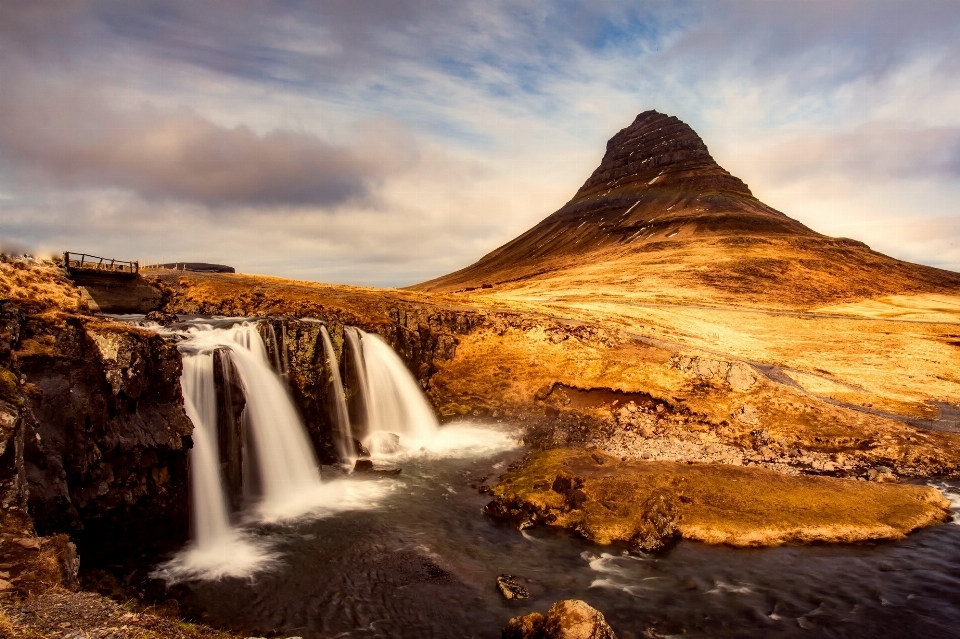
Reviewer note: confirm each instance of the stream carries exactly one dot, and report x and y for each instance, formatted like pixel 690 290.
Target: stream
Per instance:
pixel 418 559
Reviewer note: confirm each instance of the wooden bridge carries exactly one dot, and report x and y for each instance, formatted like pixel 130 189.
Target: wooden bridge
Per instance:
pixel 83 263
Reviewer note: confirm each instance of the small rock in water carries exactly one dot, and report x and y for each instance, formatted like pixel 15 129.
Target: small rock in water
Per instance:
pixel 568 619
pixel 510 588
pixel 366 466
pixel 363 466
pixel 164 319
pixel 525 627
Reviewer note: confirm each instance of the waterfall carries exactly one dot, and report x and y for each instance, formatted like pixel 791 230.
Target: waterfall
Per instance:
pixel 395 405
pixel 274 437
pixel 279 469
pixel 351 337
pixel 345 447
pixel 211 524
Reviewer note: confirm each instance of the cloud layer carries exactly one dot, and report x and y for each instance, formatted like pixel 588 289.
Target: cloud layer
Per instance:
pixel 388 143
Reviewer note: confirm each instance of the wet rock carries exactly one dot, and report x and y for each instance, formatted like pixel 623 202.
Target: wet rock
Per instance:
pixel 567 619
pixel 366 466
pixel 511 588
pixel 360 449
pixel 658 525
pixel 525 627
pixel 162 318
pixel 363 466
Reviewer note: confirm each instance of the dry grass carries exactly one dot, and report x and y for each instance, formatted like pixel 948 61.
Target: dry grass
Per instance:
pixel 39 287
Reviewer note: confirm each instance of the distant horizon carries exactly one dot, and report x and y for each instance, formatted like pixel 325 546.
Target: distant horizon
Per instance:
pixel 388 145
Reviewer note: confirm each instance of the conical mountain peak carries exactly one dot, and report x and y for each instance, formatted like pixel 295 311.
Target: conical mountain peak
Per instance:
pixel 659 216
pixel 660 151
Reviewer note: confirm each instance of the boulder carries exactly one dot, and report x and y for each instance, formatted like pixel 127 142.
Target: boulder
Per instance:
pixel 567 619
pixel 741 377
pixel 525 627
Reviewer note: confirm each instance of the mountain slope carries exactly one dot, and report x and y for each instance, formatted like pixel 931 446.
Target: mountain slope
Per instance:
pixel 659 218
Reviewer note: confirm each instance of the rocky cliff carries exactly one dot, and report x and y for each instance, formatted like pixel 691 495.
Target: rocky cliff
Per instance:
pixel 94 437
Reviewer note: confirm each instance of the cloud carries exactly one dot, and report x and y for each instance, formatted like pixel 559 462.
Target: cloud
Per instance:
pixel 880 150
pixel 386 143
pixel 179 155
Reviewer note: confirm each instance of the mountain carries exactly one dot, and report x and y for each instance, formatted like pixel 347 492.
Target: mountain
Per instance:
pixel 659 218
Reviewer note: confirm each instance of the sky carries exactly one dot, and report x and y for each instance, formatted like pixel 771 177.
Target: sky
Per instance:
pixel 386 143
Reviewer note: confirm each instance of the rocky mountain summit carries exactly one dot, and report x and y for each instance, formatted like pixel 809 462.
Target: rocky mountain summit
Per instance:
pixel 660 211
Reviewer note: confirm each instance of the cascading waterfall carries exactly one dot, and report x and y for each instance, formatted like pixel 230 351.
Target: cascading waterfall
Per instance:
pixel 345 447
pixel 351 336
pixel 287 470
pixel 211 521
pixel 277 456
pixel 394 403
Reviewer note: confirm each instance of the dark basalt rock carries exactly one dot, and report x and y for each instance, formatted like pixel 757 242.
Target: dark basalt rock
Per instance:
pixel 104 436
pixel 363 466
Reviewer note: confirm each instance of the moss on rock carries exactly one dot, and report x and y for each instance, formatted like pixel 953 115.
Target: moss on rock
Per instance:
pixel 645 504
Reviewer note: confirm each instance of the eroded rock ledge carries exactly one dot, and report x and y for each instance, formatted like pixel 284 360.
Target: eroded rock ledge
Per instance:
pixel 647 504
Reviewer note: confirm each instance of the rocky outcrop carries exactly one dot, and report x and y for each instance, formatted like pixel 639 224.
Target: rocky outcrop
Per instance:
pixel 658 149
pixel 645 505
pixel 104 434
pixel 738 375
pixel 567 619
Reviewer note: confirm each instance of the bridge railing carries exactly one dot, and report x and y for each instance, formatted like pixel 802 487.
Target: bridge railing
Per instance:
pixel 95 262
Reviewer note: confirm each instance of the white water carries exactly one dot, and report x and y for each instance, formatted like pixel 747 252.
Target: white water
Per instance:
pixel 345 446
pixel 351 338
pixel 289 475
pixel 394 403
pixel 217 550
pixel 211 520
pixel 286 474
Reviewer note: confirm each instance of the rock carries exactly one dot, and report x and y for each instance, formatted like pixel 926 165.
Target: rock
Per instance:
pixel 885 474
pixel 29 543
pixel 360 449
pixel 748 415
pixel 575 619
pixel 5 585
pixel 366 466
pixel 706 368
pixel 525 627
pixel 510 588
pixel 363 466
pixel 567 619
pixel 741 377
pixel 162 318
